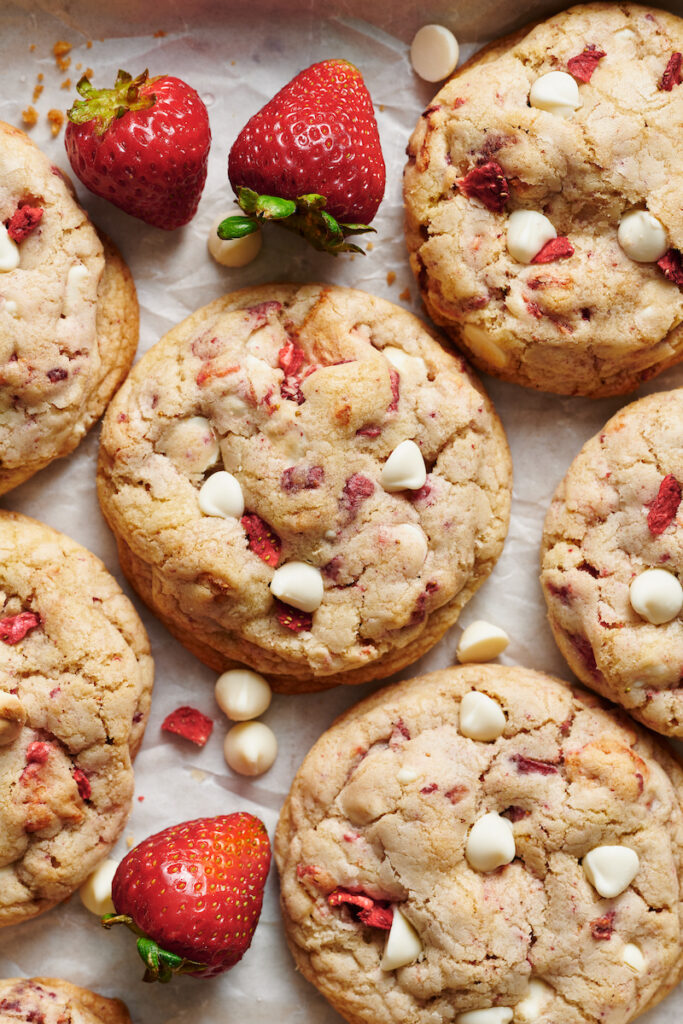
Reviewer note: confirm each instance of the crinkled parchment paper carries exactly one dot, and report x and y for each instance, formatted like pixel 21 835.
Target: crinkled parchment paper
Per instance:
pixel 237 61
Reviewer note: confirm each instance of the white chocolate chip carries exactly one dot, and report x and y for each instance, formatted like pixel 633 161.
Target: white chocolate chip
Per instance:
pixel 95 892
pixel 481 718
pixel 191 445
pixel 537 997
pixel 406 775
pixel 10 307
pixel 410 547
pixel 9 251
pixel 611 869
pixel 434 53
pixel 233 252
pixel 491 843
pixel 489 1015
pixel 404 469
pixel 656 595
pixel 12 717
pixel 221 495
pixel 242 694
pixel 401 361
pixel 74 293
pixel 298 584
pixel 528 232
pixel 250 748
pixel 403 944
pixel 642 237
pixel 633 958
pixel 557 93
pixel 482 641
pixel 483 347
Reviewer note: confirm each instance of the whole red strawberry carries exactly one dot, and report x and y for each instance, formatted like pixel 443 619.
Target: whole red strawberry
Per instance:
pixel 193 893
pixel 143 145
pixel 311 159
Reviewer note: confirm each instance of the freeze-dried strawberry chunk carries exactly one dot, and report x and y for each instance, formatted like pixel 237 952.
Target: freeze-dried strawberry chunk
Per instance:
pixel 356 489
pixel 15 627
pixel 671 265
pixel 665 506
pixel 584 64
pixel 672 73
pixel 189 723
pixel 395 390
pixel 23 221
pixel 291 358
pixel 292 618
pixel 602 927
pixel 263 541
pixel 262 311
pixel 38 752
pixel 488 184
pixel 370 431
pixel 302 478
pixel 83 783
pixel 529 765
pixel 555 249
pixel 291 388
pixel 375 913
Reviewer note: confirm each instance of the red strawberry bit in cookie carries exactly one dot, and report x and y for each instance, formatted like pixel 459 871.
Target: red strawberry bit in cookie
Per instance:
pixel 291 358
pixel 375 913
pixel 263 541
pixel 370 431
pixel 54 376
pixel 292 618
pixel 262 311
pixel 210 371
pixel 514 813
pixel 430 788
pixel 488 184
pixel 456 794
pixel 584 64
pixel 585 651
pixel 302 478
pixel 672 73
pixel 83 783
pixel 15 627
pixel 530 765
pixel 23 221
pixel 291 389
pixel 38 752
pixel 665 506
pixel 356 489
pixel 556 249
pixel 602 927
pixel 422 494
pixel 563 594
pixel 671 265
pixel 189 723
pixel 395 389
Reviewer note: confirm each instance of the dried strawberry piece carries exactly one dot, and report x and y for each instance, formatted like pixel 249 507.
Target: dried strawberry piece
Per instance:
pixel 585 651
pixel 584 64
pixel 261 312
pixel 556 249
pixel 356 489
pixel 395 390
pixel 83 783
pixel 515 813
pixel 189 723
pixel 672 73
pixel 291 389
pixel 291 358
pixel 370 431
pixel 292 618
pixel 23 221
pixel 263 541
pixel 671 265
pixel 488 184
pixel 602 927
pixel 431 788
pixel 38 752
pixel 302 478
pixel 529 765
pixel 15 627
pixel 665 506
pixel 375 913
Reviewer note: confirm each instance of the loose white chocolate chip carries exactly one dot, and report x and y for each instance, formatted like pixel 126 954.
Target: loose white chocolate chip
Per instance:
pixel 403 944
pixel 482 641
pixel 406 775
pixel 611 869
pixel 534 1002
pixel 402 362
pixel 9 251
pixel 298 584
pixel 491 843
pixel 221 495
pixel 434 53
pixel 633 958
pixel 556 92
pixel 481 718
pixel 95 892
pixel 528 232
pixel 242 694
pixel 404 469
pixel 233 252
pixel 250 748
pixel 190 445
pixel 12 718
pixel 490 1015
pixel 642 237
pixel 656 595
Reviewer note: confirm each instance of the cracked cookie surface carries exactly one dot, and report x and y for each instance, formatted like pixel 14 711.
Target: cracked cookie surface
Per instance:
pixel 75 686
pixel 382 807
pixel 596 323
pixel 53 1001
pixel 68 314
pixel 288 388
pixel 615 515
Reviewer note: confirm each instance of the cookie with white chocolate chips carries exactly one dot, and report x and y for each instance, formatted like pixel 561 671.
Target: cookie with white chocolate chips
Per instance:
pixel 302 480
pixel 75 685
pixel 612 559
pixel 68 314
pixel 542 194
pixel 53 1001
pixel 520 859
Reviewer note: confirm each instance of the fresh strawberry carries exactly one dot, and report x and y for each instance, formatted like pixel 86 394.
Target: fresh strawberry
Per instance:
pixel 311 160
pixel 193 894
pixel 143 145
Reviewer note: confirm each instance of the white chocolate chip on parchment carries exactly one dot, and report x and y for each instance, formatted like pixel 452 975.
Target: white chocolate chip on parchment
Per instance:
pixel 403 945
pixel 434 53
pixel 481 718
pixel 481 641
pixel 404 469
pixel 528 231
pixel 491 843
pixel 250 748
pixel 656 595
pixel 242 694
pixel 611 869
pixel 221 495
pixel 95 892
pixel 557 93
pixel 298 584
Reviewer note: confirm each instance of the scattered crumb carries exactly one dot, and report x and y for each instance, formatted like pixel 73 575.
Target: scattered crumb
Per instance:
pixel 130 842
pixel 40 76
pixel 391 277
pixel 66 84
pixel 381 108
pixel 32 47
pixel 79 66
pixel 232 62
pixel 88 72
pixel 60 50
pixel 370 247
pixel 159 34
pixel 197 775
pixel 405 295
pixel 140 799
pixel 56 119
pixel 29 116
pixel 37 89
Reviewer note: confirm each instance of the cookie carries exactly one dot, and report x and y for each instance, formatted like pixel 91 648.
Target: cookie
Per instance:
pixel 482 845
pixel 355 476
pixel 75 686
pixel 53 1001
pixel 613 520
pixel 522 177
pixel 68 314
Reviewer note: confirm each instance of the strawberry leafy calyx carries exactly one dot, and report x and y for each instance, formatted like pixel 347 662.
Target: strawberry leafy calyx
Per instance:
pixel 160 964
pixel 107 105
pixel 306 216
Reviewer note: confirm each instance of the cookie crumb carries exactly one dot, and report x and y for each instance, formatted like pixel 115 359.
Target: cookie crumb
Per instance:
pixel 405 295
pixel 197 775
pixel 29 116
pixel 56 119
pixel 60 50
pixel 391 277
pixel 32 48
pixel 37 89
pixel 370 247
pixel 159 34
pixel 66 84
pixel 130 842
pixel 88 45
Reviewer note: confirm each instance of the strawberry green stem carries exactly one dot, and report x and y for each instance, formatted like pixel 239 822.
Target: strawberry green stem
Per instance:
pixel 160 964
pixel 105 105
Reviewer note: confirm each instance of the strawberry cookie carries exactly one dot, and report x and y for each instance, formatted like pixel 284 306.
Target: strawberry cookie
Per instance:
pixel 483 845
pixel 301 479
pixel 53 1001
pixel 74 697
pixel 68 314
pixel 612 557
pixel 543 209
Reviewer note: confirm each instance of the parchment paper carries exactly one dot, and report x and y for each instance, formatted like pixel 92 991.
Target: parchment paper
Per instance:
pixel 237 61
